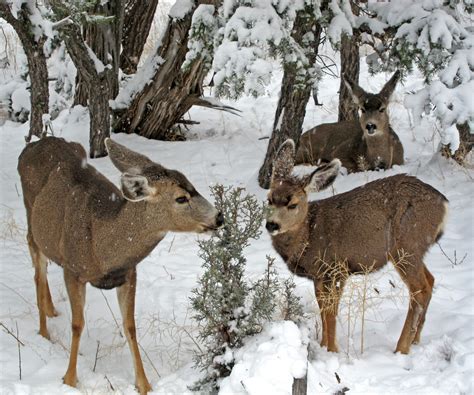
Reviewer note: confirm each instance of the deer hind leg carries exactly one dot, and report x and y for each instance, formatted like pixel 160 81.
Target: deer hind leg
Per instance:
pixel 43 295
pixel 420 286
pixel 77 296
pixel 126 299
pixel 328 294
pixel 430 281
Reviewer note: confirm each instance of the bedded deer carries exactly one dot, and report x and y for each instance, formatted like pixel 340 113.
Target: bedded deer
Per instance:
pixel 396 218
pixel 97 233
pixel 365 144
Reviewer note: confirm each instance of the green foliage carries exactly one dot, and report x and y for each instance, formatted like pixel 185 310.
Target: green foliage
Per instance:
pixel 226 306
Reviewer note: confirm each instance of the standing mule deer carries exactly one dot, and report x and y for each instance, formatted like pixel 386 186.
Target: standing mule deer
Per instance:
pixel 80 220
pixel 395 218
pixel 365 144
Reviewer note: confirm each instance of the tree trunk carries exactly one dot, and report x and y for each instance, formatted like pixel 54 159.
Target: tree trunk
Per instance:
pixel 349 67
pixel 96 82
pixel 294 96
pixel 138 19
pixel 37 69
pixel 173 90
pixel 104 38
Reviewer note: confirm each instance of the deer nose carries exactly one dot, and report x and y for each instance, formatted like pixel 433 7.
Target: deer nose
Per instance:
pixel 371 128
pixel 272 226
pixel 220 219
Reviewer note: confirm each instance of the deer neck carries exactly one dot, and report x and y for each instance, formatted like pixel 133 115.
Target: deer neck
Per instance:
pixel 126 238
pixel 376 147
pixel 292 245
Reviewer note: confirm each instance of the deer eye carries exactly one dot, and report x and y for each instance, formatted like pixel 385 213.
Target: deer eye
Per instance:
pixel 182 200
pixel 292 206
pixel 382 110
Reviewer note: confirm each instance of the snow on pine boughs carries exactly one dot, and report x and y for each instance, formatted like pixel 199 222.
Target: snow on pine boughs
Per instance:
pixel 438 38
pixel 226 306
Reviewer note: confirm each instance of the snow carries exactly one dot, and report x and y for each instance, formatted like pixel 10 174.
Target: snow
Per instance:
pixel 229 150
pixel 181 8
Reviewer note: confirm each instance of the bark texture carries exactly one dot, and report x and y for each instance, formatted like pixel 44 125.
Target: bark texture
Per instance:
pixel 138 19
pixel 104 38
pixel 96 82
pixel 349 67
pixel 294 96
pixel 37 69
pixel 173 90
pixel 466 137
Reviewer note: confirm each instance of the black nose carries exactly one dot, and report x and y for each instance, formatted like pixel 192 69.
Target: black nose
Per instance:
pixel 272 226
pixel 220 219
pixel 371 128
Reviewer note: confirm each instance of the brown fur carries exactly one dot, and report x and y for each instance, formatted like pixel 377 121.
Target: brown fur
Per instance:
pixel 396 218
pixel 98 233
pixel 350 142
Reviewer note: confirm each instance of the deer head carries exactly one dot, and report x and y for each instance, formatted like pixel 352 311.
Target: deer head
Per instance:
pixel 169 191
pixel 288 195
pixel 373 107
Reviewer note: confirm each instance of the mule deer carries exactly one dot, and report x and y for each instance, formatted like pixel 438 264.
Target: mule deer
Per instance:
pixel 395 218
pixel 97 233
pixel 365 144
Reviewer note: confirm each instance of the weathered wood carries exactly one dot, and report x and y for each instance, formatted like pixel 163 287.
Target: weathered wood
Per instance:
pixel 138 19
pixel 466 144
pixel 173 90
pixel 350 66
pixel 300 386
pixel 104 38
pixel 95 80
pixel 294 96
pixel 37 68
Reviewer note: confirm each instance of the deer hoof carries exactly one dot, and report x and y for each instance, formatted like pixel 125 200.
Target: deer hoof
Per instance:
pixel 70 379
pixel 143 388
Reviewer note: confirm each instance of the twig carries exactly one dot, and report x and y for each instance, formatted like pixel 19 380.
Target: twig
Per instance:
pixel 111 312
pixel 149 360
pixel 111 386
pixel 171 245
pixel 96 354
pixel 12 334
pixel 455 262
pixel 19 349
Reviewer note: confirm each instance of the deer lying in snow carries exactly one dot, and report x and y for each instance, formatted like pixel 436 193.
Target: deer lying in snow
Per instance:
pixel 98 234
pixel 396 218
pixel 365 144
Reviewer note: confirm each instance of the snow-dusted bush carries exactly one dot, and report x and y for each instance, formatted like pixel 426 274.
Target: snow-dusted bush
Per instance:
pixel 227 307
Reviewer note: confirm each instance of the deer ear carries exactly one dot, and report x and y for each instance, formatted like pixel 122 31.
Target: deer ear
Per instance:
pixel 135 187
pixel 125 159
pixel 389 87
pixel 284 160
pixel 357 93
pixel 322 177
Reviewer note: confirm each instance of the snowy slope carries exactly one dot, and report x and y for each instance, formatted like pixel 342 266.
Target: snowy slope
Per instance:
pixel 226 149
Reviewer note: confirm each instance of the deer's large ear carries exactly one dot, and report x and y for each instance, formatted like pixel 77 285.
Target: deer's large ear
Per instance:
pixel 135 187
pixel 284 161
pixel 357 93
pixel 389 87
pixel 322 177
pixel 125 159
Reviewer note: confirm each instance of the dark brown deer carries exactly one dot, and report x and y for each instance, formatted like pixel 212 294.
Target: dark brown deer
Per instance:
pixel 396 218
pixel 365 144
pixel 97 233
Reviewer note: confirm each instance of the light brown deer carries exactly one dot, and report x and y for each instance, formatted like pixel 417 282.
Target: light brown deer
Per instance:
pixel 97 233
pixel 365 144
pixel 396 218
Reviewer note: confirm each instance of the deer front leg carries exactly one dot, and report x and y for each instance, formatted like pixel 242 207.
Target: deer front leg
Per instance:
pixel 322 310
pixel 77 296
pixel 126 299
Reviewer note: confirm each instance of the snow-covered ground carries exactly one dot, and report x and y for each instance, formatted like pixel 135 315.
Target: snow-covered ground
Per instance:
pixel 227 149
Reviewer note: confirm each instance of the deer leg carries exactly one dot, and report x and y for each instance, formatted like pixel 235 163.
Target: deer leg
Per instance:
pixel 420 295
pixel 318 285
pixel 328 300
pixel 126 299
pixel 430 281
pixel 77 296
pixel 43 296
